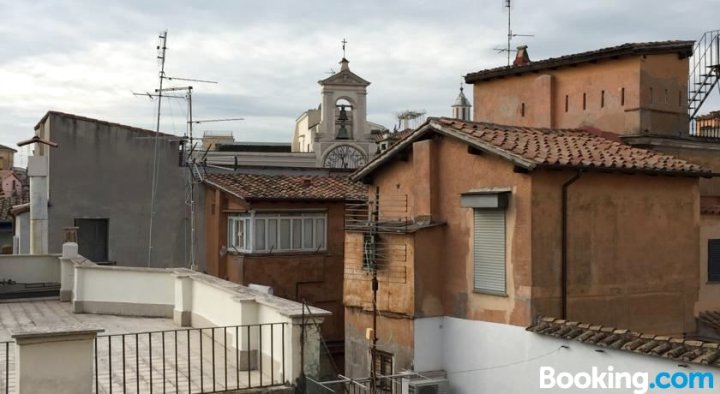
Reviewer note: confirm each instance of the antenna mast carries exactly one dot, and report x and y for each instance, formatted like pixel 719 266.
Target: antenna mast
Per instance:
pixel 510 34
pixel 162 46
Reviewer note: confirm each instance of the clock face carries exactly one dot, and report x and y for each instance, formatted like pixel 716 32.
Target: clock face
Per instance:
pixel 344 156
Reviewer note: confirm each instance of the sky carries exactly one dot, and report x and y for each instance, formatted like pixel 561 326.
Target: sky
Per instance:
pixel 88 57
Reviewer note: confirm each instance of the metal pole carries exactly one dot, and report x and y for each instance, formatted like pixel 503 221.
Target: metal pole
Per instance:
pixel 162 47
pixel 192 184
pixel 373 352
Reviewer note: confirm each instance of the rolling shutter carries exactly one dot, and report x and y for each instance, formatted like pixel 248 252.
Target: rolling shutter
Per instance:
pixel 489 250
pixel 714 260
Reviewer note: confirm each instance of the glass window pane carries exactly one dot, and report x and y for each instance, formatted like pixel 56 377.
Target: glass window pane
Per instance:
pixel 231 231
pixel 308 234
pixel 284 234
pixel 240 234
pixel 272 234
pixel 320 233
pixel 259 234
pixel 297 234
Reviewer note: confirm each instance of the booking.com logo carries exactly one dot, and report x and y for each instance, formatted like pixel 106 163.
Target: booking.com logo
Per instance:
pixel 640 382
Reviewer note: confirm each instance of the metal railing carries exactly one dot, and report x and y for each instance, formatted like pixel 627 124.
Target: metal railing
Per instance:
pixel 195 360
pixel 706 131
pixel 704 70
pixel 7 368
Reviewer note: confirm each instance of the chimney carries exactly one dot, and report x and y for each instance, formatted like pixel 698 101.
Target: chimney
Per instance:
pixel 521 57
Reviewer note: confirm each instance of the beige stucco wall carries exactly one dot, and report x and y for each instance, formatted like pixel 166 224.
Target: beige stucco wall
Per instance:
pixel 632 249
pixel 55 364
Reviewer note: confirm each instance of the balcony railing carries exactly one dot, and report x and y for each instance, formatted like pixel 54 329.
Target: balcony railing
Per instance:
pixel 196 360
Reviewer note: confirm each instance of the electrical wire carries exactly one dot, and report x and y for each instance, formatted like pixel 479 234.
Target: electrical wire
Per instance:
pixel 509 364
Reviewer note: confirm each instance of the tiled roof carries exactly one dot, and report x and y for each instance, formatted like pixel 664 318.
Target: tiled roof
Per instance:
pixel 681 350
pixel 531 148
pixel 6 204
pixel 683 48
pixel 711 319
pixel 288 187
pixel 7 148
pixel 710 209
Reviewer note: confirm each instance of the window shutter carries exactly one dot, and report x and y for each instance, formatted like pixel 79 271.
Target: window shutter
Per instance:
pixel 714 260
pixel 489 250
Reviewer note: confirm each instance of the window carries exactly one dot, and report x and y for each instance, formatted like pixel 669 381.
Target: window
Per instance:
pixel 602 99
pixel 489 250
pixel 266 232
pixel 384 367
pixel 666 96
pixel 713 260
pixel 567 102
pixel 652 94
pixel 584 101
pixel 522 110
pixel 622 96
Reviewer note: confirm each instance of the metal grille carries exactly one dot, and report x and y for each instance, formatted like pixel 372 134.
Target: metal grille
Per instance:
pixel 8 380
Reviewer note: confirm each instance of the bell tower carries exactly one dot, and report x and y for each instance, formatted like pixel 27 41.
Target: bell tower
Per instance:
pixel 461 108
pixel 344 137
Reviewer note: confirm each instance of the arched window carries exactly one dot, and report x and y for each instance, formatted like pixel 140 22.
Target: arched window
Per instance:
pixel 343 119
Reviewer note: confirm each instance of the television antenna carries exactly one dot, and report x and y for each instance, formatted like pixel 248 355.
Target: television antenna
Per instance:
pixel 188 159
pixel 507 4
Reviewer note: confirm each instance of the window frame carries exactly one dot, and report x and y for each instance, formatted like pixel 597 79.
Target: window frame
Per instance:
pixel 713 277
pixel 315 221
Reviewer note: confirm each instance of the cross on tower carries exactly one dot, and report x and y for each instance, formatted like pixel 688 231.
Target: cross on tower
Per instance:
pixel 344 41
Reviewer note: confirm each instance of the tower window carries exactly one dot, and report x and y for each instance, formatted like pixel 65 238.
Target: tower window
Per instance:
pixel 522 110
pixel 567 102
pixel 652 99
pixel 602 99
pixel 622 96
pixel 584 101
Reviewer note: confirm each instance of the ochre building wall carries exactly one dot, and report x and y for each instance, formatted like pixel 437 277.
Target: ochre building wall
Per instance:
pixel 630 95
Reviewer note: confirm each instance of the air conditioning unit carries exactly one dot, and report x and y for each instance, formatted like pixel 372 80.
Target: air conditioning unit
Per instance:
pixel 429 386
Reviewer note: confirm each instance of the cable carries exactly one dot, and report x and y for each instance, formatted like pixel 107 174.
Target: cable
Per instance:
pixel 509 364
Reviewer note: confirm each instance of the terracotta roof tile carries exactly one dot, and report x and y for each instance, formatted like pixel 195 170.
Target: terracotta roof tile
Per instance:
pixel 640 48
pixel 710 209
pixel 532 148
pixel 288 187
pixel 711 319
pixel 570 147
pixel 691 351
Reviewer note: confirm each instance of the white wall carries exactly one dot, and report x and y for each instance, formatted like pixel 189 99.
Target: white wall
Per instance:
pixel 124 285
pixel 211 302
pixel 483 357
pixel 30 268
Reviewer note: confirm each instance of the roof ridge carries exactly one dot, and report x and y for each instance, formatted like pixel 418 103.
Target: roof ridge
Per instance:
pixel 684 47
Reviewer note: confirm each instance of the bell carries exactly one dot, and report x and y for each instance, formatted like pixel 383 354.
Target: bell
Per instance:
pixel 343 133
pixel 343 115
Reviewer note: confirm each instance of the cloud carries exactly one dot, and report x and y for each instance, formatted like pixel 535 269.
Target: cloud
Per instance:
pixel 87 57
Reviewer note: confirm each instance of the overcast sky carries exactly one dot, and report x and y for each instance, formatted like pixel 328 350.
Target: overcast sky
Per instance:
pixel 87 57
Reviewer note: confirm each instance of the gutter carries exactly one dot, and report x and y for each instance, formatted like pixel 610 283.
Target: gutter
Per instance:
pixel 564 247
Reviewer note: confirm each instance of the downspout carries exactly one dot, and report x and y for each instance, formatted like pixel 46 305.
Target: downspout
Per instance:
pixel 564 247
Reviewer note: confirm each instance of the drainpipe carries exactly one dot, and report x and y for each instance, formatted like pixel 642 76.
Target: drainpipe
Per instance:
pixel 564 248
